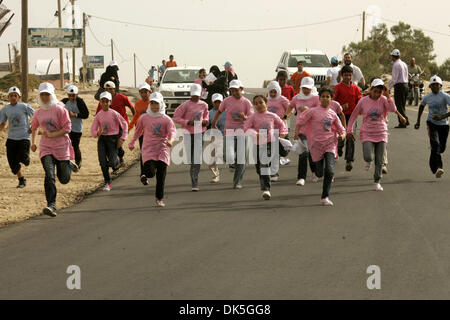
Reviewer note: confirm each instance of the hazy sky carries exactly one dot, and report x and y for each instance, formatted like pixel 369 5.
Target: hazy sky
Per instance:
pixel 253 54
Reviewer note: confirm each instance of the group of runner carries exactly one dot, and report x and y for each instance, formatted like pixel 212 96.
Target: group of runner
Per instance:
pixel 325 123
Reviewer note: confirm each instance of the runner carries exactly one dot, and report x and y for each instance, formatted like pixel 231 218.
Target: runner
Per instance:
pixel 261 125
pixel 141 107
pixel 238 109
pixel 159 133
pixel 287 90
pixel 217 99
pixel 297 77
pixel 324 127
pixel 55 148
pixel 18 115
pixel 78 111
pixel 111 130
pixel 193 116
pixel 307 97
pixel 437 123
pixel 374 132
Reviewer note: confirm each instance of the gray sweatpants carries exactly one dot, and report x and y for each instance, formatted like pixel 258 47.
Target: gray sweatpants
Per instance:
pixel 378 149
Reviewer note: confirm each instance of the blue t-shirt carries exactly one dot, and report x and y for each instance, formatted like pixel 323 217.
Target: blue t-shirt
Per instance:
pixel 437 105
pixel 19 120
pixel 220 122
pixel 77 123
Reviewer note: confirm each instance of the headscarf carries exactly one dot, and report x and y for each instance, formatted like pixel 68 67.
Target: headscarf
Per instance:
pixel 158 97
pixel 273 85
pixel 313 93
pixel 215 71
pixel 230 69
pixel 48 87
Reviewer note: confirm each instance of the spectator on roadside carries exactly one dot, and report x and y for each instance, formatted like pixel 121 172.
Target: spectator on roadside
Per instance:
pixel 110 74
pixel 400 84
pixel 333 72
pixel 161 70
pixel 296 78
pixel 218 86
pixel 171 63
pixel 358 76
pixel 229 73
pixel 414 68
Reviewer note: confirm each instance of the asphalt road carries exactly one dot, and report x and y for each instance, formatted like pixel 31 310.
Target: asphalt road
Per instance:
pixel 222 243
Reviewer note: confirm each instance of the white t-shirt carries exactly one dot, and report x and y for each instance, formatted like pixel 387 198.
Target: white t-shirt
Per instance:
pixel 357 74
pixel 333 73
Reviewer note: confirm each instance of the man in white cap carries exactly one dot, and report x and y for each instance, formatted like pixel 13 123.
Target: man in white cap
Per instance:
pixel 193 116
pixel 18 115
pixel 400 84
pixel 437 123
pixel 78 111
pixel 238 109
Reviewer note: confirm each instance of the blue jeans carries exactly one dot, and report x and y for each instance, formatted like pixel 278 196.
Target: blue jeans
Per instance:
pixel 236 152
pixel 107 155
pixel 63 172
pixel 194 147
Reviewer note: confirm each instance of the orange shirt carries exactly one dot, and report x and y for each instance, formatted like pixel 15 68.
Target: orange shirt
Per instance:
pixel 296 80
pixel 171 64
pixel 140 107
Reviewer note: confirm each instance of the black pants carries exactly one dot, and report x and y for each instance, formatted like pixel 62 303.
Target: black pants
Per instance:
pixel 17 152
pixel 158 168
pixel 325 169
pixel 141 140
pixel 120 152
pixel 63 172
pixel 263 169
pixel 303 160
pixel 400 96
pixel 75 138
pixel 438 140
pixel 107 155
pixel 349 145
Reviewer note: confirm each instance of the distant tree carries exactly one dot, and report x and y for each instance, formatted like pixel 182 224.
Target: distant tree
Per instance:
pixel 444 70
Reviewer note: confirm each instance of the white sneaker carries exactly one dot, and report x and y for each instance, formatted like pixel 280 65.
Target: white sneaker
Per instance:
pixel 439 172
pixel 266 195
pixel 284 161
pixel 107 187
pixel 215 179
pixel 274 178
pixel 238 186
pixel 195 189
pixel 367 165
pixel 160 203
pixel 326 202
pixel 378 187
pixel 301 182
pixel 314 178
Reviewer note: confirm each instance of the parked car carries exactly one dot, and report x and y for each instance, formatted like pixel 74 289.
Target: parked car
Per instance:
pixel 316 64
pixel 175 86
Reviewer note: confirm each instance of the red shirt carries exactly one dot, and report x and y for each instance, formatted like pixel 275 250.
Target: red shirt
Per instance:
pixel 288 92
pixel 118 103
pixel 347 94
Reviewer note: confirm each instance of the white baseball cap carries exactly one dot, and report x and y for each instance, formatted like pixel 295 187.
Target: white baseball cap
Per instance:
pixel 216 97
pixel 196 90
pixel 377 82
pixel 106 95
pixel 307 82
pixel 109 84
pixel 395 53
pixel 145 86
pixel 14 89
pixel 46 87
pixel 236 84
pixel 72 89
pixel 435 79
pixel 113 63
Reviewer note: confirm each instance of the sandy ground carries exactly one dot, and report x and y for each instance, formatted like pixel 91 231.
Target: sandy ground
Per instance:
pixel 20 204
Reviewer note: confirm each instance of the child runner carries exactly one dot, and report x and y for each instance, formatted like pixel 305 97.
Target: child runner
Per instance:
pixel 347 94
pixel 261 124
pixel 193 116
pixel 324 127
pixel 297 77
pixel 159 133
pixel 287 90
pixel 118 103
pixel 55 148
pixel 278 104
pixel 437 123
pixel 307 97
pixel 141 107
pixel 106 127
pixel 238 109
pixel 18 115
pixel 374 132
pixel 217 99
pixel 77 111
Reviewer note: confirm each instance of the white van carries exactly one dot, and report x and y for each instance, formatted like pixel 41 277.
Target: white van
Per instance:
pixel 316 64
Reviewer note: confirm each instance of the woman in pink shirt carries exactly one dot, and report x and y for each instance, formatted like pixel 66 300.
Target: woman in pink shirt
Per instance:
pixel 55 148
pixel 261 126
pixel 193 115
pixel 201 81
pixel 111 129
pixel 159 133
pixel 374 132
pixel 324 129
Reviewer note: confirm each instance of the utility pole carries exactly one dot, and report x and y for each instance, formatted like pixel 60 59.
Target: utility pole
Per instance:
pixel 24 51
pixel 73 49
pixel 363 25
pixel 9 55
pixel 84 49
pixel 61 57
pixel 112 50
pixel 134 55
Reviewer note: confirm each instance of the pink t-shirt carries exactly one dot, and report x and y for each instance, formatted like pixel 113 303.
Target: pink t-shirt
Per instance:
pixel 233 107
pixel 324 125
pixel 54 119
pixel 156 131
pixel 278 106
pixel 298 103
pixel 264 121
pixel 110 121
pixel 191 111
pixel 374 127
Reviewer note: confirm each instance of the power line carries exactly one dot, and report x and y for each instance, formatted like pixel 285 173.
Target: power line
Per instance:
pixel 95 37
pixel 141 64
pixel 118 51
pixel 225 30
